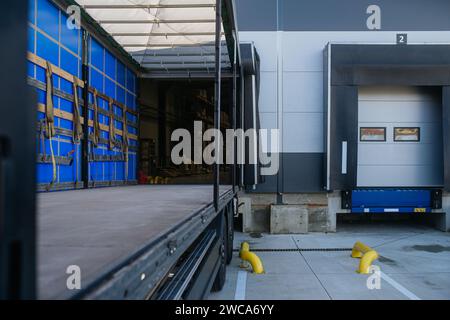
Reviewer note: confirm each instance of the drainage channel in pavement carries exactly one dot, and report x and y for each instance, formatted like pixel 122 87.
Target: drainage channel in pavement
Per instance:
pixel 300 250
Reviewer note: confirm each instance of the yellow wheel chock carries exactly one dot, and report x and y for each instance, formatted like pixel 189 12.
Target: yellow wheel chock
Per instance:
pixel 252 258
pixel 366 254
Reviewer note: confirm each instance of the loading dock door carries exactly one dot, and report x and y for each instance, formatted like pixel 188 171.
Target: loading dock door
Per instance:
pixel 400 137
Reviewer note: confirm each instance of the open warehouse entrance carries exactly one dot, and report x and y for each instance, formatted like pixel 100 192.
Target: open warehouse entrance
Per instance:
pixel 170 105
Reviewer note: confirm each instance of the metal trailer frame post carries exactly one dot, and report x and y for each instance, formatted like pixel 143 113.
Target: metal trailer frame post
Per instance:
pixel 162 124
pixel 17 160
pixel 217 101
pixel 234 111
pixel 85 141
pixel 242 126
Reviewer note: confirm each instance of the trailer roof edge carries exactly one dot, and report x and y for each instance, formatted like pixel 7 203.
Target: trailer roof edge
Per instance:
pixel 95 29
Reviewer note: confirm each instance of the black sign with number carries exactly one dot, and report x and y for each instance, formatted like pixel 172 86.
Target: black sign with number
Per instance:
pixel 402 38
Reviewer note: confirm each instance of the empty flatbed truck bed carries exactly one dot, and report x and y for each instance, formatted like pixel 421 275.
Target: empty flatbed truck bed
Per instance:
pixel 107 231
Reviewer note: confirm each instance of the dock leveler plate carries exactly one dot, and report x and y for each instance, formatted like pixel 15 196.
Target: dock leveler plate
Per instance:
pixel 392 201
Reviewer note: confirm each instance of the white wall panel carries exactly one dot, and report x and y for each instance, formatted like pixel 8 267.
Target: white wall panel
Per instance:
pixel 302 133
pixel 303 92
pixel 301 57
pixel 268 120
pixel 268 92
pixel 266 44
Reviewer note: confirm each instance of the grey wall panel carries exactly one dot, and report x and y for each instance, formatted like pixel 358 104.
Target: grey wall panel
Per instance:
pixel 303 92
pixel 446 134
pixel 387 57
pixel 414 75
pixel 302 132
pixel 349 15
pixel 326 93
pixel 343 128
pixel 302 172
pixel 343 15
pixel 268 186
pixel 257 15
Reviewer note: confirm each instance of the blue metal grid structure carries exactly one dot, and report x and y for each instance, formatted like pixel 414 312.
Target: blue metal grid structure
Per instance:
pixel 50 39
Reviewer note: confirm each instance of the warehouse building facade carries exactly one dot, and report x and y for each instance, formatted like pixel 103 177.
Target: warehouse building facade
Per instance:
pixel 359 91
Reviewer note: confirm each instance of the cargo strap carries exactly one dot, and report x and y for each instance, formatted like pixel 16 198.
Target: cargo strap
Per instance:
pixel 77 127
pixel 49 112
pixel 96 124
pixel 50 119
pixel 106 158
pixel 125 142
pixel 112 130
pixel 60 160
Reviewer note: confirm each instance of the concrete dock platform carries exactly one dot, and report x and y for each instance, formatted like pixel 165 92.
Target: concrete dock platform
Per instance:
pixel 414 263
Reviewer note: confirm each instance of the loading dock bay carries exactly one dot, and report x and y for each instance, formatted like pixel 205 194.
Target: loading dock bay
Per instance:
pixel 175 243
pixel 415 259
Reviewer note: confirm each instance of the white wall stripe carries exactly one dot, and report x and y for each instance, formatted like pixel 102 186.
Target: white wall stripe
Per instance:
pixel 344 157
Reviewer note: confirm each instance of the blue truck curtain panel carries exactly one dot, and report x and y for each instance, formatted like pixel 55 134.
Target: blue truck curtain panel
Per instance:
pixel 55 71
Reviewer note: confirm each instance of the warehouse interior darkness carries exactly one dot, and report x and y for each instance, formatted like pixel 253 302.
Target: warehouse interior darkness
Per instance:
pixel 167 105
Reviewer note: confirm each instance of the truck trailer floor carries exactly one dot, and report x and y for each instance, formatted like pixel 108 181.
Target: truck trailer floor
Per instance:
pixel 414 263
pixel 97 228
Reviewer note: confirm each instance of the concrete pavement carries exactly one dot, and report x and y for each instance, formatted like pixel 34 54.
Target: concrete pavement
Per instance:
pixel 415 258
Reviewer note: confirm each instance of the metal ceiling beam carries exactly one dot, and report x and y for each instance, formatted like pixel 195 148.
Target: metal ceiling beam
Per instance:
pixel 157 63
pixel 183 75
pixel 156 21
pixel 187 68
pixel 180 54
pixel 159 34
pixel 95 29
pixel 170 45
pixel 150 6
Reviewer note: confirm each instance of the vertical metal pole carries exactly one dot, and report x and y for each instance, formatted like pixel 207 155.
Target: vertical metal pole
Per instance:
pixel 217 83
pixel 162 124
pixel 234 111
pixel 17 160
pixel 241 124
pixel 85 141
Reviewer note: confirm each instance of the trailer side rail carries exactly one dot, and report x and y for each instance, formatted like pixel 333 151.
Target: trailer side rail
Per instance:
pixel 139 275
